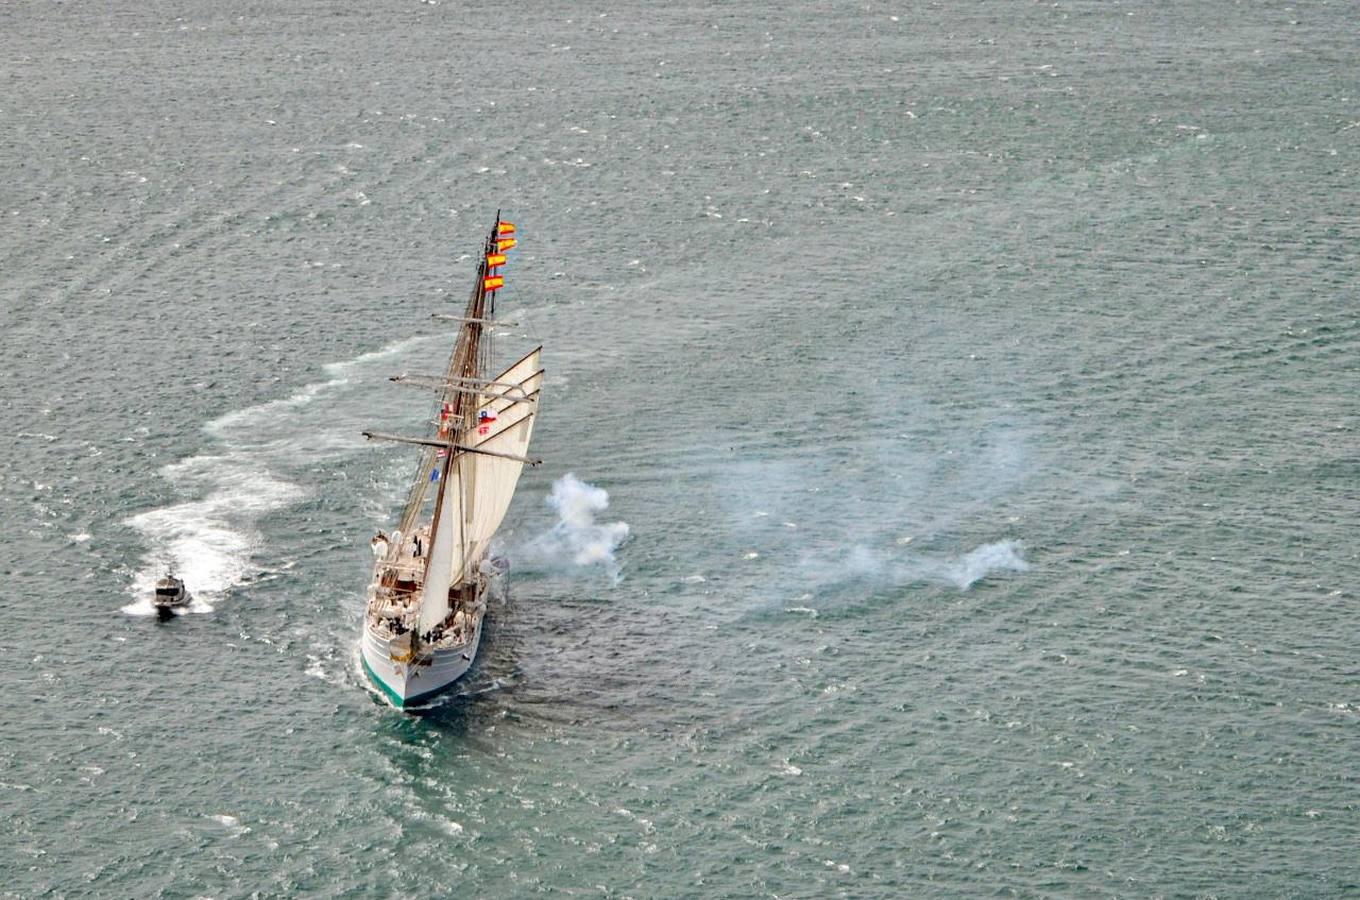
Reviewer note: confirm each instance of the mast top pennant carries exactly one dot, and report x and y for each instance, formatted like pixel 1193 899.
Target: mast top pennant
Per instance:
pixel 495 256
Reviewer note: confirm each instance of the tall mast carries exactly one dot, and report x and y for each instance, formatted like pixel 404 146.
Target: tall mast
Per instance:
pixel 465 363
pixel 429 461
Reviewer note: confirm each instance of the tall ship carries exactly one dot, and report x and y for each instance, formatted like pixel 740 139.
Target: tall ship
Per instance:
pixel 433 575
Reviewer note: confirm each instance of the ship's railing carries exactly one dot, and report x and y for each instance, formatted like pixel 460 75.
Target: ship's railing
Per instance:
pixel 402 564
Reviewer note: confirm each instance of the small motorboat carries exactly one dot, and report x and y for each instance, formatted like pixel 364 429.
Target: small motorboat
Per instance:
pixel 169 595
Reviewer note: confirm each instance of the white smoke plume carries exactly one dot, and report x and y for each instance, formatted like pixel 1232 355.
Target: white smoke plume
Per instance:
pixel 577 540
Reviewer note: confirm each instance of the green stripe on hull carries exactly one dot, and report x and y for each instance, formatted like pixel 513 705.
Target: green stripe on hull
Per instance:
pixel 392 696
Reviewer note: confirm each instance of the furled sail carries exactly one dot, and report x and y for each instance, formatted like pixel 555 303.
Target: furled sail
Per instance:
pixel 448 541
pixel 479 487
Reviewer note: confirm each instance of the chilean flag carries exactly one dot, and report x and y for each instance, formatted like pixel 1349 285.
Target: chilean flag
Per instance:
pixel 484 419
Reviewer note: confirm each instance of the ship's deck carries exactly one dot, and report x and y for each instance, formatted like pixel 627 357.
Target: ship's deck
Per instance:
pixel 394 599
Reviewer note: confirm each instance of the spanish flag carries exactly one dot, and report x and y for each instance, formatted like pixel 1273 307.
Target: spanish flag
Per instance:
pixel 504 228
pixel 492 282
pixel 504 244
pixel 495 259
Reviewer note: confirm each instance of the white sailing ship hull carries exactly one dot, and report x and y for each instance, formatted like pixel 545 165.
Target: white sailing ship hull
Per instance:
pixel 415 682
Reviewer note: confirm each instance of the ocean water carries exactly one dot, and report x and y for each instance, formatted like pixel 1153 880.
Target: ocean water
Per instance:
pixel 951 477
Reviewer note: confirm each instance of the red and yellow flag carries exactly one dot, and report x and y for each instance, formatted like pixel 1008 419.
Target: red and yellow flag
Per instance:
pixel 503 228
pixel 490 283
pixel 495 259
pixel 505 244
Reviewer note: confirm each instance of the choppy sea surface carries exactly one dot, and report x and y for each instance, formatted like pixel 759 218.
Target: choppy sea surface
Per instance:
pixel 952 464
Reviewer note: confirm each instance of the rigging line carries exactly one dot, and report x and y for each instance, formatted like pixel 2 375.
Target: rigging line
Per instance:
pixel 445 382
pixel 526 325
pixel 511 399
pixel 462 519
pixel 448 318
pixel 419 492
pixel 463 448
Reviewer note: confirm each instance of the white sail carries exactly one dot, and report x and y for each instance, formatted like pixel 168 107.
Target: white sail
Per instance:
pixel 492 479
pixel 479 488
pixel 445 554
pixel 516 382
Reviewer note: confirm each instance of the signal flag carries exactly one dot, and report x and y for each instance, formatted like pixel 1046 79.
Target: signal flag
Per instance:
pixel 495 259
pixel 492 282
pixel 505 244
pixel 504 228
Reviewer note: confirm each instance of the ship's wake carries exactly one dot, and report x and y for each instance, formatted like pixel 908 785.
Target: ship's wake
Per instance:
pixel 207 542
pixel 210 539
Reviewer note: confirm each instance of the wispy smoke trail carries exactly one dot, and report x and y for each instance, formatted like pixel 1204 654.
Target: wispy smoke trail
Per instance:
pixel 1003 556
pixel 961 571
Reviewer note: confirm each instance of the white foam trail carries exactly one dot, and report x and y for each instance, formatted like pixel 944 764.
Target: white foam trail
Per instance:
pixel 341 370
pixel 253 416
pixel 577 539
pixel 299 422
pixel 209 541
